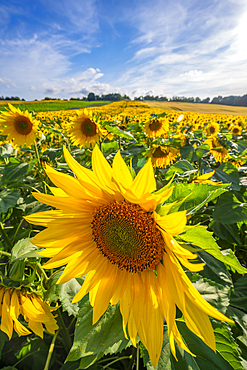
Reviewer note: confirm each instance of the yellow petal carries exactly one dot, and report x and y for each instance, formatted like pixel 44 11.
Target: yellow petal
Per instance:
pixel 173 224
pixel 121 172
pixel 144 181
pixel 6 321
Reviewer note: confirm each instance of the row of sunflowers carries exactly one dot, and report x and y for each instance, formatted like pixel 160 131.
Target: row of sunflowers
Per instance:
pixel 124 239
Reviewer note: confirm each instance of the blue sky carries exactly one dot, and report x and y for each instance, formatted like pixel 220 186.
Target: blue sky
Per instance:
pixel 68 48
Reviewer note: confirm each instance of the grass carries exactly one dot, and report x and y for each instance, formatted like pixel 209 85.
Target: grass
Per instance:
pixel 42 106
pixel 199 107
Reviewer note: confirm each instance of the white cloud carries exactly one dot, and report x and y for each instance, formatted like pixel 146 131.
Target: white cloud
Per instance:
pixel 31 88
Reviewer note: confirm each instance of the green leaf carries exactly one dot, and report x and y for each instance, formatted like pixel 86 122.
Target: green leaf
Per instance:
pixel 202 238
pixel 228 173
pixel 16 170
pixel 23 249
pixel 115 130
pixel 8 199
pixel 197 196
pixel 64 292
pixel 229 210
pixel 182 166
pixel 91 342
pixel 194 154
pixel 71 366
pixel 108 148
pixel 226 345
pixel 216 294
pixel 239 295
pixel 5 150
pixel 227 232
pixel 206 358
pixel 3 338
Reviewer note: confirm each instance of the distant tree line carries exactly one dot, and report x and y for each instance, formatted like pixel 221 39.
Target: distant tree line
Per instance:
pixel 11 98
pixel 240 101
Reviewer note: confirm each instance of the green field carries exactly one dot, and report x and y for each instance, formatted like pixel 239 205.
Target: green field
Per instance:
pixel 52 106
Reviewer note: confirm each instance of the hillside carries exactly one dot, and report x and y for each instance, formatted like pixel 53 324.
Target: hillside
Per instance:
pixel 199 107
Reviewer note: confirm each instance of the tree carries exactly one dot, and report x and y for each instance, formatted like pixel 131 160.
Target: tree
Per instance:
pixel 91 96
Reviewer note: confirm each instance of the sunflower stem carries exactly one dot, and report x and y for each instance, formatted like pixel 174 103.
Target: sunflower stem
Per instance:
pixel 137 356
pixel 18 227
pixel 52 345
pixel 39 164
pixel 119 142
pixel 118 359
pixel 64 331
pixel 42 271
pixel 7 254
pixel 5 236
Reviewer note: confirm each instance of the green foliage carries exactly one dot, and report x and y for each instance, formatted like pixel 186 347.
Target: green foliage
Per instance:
pixel 91 342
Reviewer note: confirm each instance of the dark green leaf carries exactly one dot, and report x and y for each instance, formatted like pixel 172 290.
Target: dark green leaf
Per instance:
pixel 229 210
pixel 239 295
pixel 16 170
pixel 202 238
pixel 93 341
pixel 228 173
pixel 8 199
pixel 197 196
pixel 227 232
pixel 182 166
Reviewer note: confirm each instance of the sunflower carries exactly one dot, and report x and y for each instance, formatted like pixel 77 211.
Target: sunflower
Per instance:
pixel 20 127
pixel 105 226
pixel 85 131
pixel 219 152
pixel 213 128
pixel 156 127
pixel 163 155
pixel 236 130
pixel 15 302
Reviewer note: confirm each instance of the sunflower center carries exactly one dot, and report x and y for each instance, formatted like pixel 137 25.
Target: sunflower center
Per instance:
pixel 23 125
pixel 155 125
pixel 88 127
pixel 128 236
pixel 158 153
pixel 212 130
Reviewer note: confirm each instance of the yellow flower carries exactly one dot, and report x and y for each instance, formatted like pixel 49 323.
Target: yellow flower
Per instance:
pixel 105 226
pixel 156 127
pixel 236 130
pixel 14 302
pixel 219 152
pixel 213 128
pixel 84 130
pixel 204 179
pixel 163 155
pixel 20 126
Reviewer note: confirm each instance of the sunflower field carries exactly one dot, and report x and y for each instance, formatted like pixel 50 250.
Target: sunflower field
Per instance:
pixel 123 239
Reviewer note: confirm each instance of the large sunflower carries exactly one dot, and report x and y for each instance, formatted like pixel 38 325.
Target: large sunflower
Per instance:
pixel 105 225
pixel 15 302
pixel 218 151
pixel 156 127
pixel 163 155
pixel 20 127
pixel 85 131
